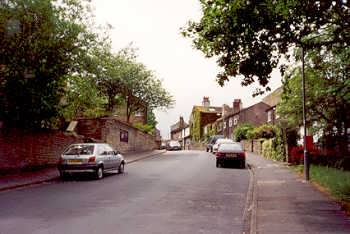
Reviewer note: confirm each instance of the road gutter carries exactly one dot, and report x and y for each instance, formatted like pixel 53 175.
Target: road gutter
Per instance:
pixel 249 214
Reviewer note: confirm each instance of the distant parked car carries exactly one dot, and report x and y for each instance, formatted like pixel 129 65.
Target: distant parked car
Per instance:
pixel 212 140
pixel 174 145
pixel 162 145
pixel 90 157
pixel 230 153
pixel 220 141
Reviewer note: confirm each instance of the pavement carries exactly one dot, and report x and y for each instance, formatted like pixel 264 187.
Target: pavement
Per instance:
pixel 49 174
pixel 282 202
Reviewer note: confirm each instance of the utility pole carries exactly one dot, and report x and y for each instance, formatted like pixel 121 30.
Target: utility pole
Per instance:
pixel 306 153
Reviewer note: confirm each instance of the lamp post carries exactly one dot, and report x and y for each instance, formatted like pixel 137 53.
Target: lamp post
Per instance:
pixel 306 153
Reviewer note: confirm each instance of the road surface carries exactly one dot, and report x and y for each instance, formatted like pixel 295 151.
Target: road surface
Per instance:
pixel 176 192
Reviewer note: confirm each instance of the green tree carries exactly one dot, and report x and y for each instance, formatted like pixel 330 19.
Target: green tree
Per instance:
pixel 250 37
pixel 41 42
pixel 327 94
pixel 121 75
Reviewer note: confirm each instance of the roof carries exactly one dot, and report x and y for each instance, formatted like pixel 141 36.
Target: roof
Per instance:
pixel 273 98
pixel 210 109
pixel 247 108
pixel 177 126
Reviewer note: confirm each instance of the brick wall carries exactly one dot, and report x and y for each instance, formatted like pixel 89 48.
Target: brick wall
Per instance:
pixel 20 150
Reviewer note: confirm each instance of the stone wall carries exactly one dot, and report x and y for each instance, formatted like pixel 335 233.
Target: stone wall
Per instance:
pixel 110 130
pixel 21 150
pixel 254 146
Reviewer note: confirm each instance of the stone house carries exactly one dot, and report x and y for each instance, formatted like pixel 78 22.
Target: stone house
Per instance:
pixel 255 115
pixel 177 131
pixel 202 116
pixel 272 100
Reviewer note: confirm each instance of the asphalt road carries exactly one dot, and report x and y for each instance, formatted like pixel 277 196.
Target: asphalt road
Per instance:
pixel 176 192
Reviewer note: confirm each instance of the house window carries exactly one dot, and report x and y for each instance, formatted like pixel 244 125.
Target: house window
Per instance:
pixel 235 120
pixel 269 116
pixel 224 125
pixel 230 123
pixel 138 114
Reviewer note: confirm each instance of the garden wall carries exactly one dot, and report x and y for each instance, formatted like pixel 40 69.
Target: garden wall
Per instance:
pixel 21 150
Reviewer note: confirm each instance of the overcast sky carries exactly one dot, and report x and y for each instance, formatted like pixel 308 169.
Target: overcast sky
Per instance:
pixel 153 26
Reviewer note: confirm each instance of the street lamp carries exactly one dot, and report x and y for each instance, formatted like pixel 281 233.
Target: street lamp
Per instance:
pixel 306 153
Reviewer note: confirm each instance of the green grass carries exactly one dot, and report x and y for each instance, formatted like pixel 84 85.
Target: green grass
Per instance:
pixel 337 182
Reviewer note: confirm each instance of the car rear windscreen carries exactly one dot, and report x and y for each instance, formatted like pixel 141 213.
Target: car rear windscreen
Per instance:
pixel 80 150
pixel 233 147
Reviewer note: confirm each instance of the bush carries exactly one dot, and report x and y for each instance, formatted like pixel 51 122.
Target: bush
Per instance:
pixel 241 132
pixel 330 159
pixel 273 149
pixel 266 131
pixel 145 128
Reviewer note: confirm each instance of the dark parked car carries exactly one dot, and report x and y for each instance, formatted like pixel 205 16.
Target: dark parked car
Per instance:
pixel 212 140
pixel 230 153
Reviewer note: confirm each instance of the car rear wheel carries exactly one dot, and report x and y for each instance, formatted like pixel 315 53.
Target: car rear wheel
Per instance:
pixel 99 173
pixel 218 164
pixel 121 168
pixel 242 164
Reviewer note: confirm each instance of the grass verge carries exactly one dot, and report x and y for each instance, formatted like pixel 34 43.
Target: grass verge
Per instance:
pixel 333 181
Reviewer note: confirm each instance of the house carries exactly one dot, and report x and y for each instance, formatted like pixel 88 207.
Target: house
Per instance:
pixel 272 100
pixel 177 131
pixel 255 115
pixel 202 116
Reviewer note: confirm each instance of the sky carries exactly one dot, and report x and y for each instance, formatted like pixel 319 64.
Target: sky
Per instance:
pixel 153 27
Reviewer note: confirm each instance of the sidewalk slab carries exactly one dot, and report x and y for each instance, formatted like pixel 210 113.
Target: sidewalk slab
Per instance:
pixel 287 204
pixel 49 174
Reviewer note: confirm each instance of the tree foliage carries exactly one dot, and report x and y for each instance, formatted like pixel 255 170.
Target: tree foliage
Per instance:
pixel 327 92
pixel 121 75
pixel 250 37
pixel 53 64
pixel 41 42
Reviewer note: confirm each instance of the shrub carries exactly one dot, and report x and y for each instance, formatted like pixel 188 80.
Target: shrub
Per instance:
pixel 145 128
pixel 266 131
pixel 273 149
pixel 241 132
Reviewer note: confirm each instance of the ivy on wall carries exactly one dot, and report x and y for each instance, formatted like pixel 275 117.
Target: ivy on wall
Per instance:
pixel 195 127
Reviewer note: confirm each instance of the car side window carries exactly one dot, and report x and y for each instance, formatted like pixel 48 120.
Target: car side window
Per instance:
pixel 101 150
pixel 109 150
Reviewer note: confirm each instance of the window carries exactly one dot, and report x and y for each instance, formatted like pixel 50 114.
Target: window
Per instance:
pixel 230 123
pixel 235 120
pixel 269 115
pixel 138 114
pixel 224 125
pixel 124 136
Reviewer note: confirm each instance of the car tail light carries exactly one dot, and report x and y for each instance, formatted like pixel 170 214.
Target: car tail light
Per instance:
pixel 60 160
pixel 92 159
pixel 242 155
pixel 219 154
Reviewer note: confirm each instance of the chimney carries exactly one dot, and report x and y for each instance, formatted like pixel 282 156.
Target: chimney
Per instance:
pixel 237 105
pixel 182 122
pixel 225 110
pixel 206 102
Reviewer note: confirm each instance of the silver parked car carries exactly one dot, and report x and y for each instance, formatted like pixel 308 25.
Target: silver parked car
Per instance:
pixel 90 157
